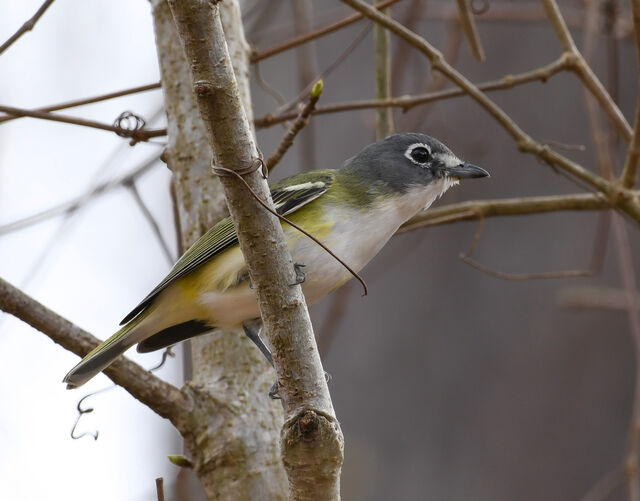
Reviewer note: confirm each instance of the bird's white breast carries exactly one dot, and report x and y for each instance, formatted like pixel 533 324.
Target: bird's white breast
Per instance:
pixel 356 236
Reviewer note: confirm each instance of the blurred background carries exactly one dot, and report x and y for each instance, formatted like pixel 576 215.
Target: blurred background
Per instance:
pixel 448 382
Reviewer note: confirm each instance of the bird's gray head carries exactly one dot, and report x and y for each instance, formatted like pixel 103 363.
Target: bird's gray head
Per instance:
pixel 405 161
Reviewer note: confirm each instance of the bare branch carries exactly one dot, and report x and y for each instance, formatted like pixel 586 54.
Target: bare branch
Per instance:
pixel 476 209
pixel 466 257
pixel 302 39
pixel 159 396
pixel 160 489
pixel 595 297
pixel 629 176
pixel 525 276
pixel 88 100
pixel 312 442
pixel 541 74
pixel 136 135
pixel 300 122
pixel 27 26
pixel 470 30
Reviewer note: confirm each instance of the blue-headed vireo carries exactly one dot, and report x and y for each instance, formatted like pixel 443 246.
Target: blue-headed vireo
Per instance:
pixel 354 211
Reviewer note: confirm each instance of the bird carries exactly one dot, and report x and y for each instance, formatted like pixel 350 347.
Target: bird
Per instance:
pixel 353 211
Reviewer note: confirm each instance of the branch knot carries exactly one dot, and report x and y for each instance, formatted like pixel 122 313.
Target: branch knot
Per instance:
pixel 203 88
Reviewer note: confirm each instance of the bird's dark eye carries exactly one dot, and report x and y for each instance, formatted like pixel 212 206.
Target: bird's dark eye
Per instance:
pixel 420 154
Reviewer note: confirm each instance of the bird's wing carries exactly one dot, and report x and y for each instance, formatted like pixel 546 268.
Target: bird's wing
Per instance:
pixel 288 196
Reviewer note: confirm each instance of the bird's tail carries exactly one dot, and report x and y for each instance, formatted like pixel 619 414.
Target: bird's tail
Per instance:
pixel 104 354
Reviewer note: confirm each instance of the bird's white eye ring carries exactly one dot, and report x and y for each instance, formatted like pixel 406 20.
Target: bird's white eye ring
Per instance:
pixel 418 153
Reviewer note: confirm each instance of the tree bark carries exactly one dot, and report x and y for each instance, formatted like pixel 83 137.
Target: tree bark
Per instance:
pixel 235 428
pixel 312 441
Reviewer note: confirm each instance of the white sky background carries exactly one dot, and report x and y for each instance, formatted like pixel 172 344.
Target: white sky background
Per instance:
pixel 103 263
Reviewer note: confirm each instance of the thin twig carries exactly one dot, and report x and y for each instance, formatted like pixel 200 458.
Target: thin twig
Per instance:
pixel 300 122
pixel 583 70
pixel 525 276
pixel 82 411
pixel 595 297
pixel 466 257
pixel 302 39
pixel 541 74
pixel 155 227
pixel 136 135
pixel 75 203
pixel 160 488
pixel 27 26
pixel 476 209
pixel 161 397
pixel 266 86
pixel 88 100
pixel 470 30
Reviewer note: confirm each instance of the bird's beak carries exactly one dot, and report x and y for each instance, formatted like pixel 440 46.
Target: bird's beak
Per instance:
pixel 466 171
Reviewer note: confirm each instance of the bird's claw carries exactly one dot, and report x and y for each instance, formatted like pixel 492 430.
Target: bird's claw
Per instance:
pixel 275 387
pixel 300 275
pixel 273 391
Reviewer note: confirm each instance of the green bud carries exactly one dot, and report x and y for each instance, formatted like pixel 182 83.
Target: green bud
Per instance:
pixel 316 91
pixel 181 461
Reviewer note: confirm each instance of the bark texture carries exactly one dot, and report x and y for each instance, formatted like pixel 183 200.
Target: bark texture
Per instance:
pixel 305 396
pixel 234 427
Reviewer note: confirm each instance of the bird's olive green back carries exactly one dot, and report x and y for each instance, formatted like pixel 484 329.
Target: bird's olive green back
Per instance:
pixel 288 196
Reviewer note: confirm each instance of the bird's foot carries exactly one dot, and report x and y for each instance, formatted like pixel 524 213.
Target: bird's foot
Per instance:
pixel 244 277
pixel 300 275
pixel 273 391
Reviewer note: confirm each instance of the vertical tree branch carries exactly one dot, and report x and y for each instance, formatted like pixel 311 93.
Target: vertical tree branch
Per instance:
pixel 311 439
pixel 229 377
pixel 382 56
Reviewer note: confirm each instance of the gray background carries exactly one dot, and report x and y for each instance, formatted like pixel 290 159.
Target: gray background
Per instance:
pixel 448 383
